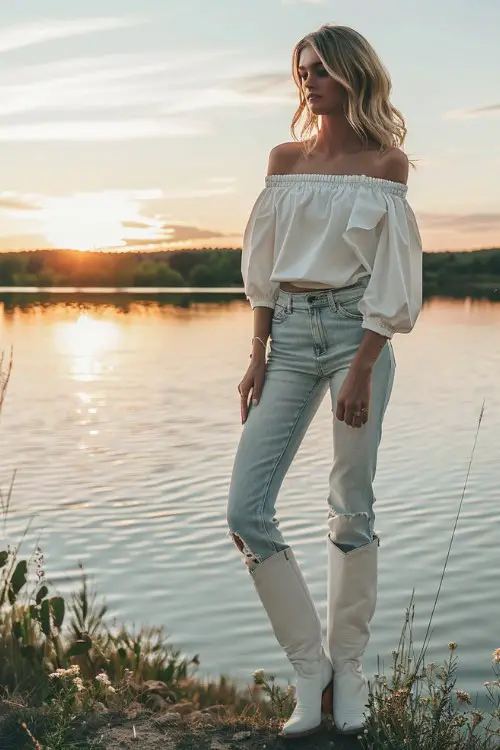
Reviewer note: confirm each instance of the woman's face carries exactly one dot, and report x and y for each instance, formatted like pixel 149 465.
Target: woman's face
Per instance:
pixel 324 95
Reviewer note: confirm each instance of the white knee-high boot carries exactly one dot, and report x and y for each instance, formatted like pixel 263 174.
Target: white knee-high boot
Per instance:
pixel 352 597
pixel 294 618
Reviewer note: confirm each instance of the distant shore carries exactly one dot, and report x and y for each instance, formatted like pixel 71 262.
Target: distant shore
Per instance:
pixel 457 274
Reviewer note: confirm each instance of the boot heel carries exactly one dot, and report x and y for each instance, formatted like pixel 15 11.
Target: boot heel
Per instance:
pixel 327 700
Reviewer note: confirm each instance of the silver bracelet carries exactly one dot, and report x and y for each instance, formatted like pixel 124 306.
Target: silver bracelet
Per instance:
pixel 258 338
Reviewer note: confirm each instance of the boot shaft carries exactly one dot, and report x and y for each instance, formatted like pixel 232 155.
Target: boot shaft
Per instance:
pixel 286 598
pixel 352 596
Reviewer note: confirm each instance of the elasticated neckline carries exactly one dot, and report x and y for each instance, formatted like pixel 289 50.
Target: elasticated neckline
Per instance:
pixel 354 180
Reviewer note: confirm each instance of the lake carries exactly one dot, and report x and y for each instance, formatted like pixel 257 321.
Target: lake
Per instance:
pixel 122 419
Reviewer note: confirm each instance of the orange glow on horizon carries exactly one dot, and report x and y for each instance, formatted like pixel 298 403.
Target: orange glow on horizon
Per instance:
pixel 95 221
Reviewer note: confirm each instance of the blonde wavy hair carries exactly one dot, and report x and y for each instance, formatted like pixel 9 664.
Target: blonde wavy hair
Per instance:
pixel 351 60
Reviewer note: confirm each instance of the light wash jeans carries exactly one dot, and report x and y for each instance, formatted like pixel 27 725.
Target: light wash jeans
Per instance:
pixel 314 337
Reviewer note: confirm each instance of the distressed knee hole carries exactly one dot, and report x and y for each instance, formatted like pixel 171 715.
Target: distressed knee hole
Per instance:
pixel 238 542
pixel 251 559
pixel 349 530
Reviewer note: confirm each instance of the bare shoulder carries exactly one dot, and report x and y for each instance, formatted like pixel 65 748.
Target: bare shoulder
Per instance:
pixel 394 165
pixel 283 157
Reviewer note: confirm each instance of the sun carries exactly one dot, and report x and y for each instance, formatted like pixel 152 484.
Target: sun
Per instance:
pixel 107 219
pixel 86 221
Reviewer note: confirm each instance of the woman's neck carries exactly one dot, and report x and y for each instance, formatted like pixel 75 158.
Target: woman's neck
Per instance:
pixel 336 136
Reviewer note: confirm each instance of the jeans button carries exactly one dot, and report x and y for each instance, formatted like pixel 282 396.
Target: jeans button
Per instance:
pixel 311 298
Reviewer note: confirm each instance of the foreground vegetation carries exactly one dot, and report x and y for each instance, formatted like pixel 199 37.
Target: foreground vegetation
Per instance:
pixel 62 690
pixel 446 272
pixel 69 681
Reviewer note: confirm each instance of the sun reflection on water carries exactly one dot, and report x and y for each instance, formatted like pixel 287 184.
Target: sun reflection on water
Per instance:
pixel 88 344
pixel 86 340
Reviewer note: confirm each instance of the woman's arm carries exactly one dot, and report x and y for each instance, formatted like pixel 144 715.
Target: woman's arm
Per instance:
pixel 395 167
pixel 262 317
pixel 355 394
pixel 252 382
pixel 368 352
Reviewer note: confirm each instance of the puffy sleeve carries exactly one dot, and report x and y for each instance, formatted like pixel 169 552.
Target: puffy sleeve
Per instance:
pixel 393 296
pixel 257 258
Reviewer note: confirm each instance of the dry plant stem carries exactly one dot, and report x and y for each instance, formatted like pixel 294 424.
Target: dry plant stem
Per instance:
pixel 428 631
pixel 4 381
pixel 4 376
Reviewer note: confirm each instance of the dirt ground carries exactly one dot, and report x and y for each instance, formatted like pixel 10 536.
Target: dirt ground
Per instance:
pixel 141 728
pixel 148 733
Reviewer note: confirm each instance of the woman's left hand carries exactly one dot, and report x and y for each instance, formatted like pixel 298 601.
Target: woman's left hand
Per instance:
pixel 354 397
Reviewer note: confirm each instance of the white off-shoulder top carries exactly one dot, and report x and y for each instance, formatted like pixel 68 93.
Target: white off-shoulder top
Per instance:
pixel 324 230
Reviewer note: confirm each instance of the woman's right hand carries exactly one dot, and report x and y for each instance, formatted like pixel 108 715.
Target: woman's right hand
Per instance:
pixel 251 385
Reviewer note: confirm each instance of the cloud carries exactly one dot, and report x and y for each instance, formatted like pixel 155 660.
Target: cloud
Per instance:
pixel 103 82
pixel 170 234
pixel 485 110
pixel 183 233
pixel 25 35
pixel 13 202
pixel 101 130
pixel 169 83
pixel 230 96
pixel 124 219
pixel 254 84
pixel 129 96
pixel 459 222
pixel 462 114
pixel 135 225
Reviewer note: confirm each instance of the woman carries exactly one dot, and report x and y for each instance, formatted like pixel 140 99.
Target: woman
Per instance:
pixel 332 266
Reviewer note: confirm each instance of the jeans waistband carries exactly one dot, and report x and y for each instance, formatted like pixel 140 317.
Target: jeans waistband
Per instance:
pixel 322 297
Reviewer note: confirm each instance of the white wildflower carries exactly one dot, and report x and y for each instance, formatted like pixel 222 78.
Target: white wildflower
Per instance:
pixel 103 677
pixel 59 673
pixel 477 718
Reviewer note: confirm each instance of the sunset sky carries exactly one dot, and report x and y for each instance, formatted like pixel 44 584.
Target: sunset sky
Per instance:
pixel 136 125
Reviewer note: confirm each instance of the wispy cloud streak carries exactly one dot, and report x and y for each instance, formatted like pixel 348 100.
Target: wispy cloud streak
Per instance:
pixel 463 114
pixel 25 35
pixel 129 81
pixel 459 222
pixel 124 96
pixel 100 130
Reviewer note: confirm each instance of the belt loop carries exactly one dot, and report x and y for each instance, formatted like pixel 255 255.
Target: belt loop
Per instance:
pixel 331 301
pixel 290 303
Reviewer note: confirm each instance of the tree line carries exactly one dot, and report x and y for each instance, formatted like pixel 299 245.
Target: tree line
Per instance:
pixel 443 271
